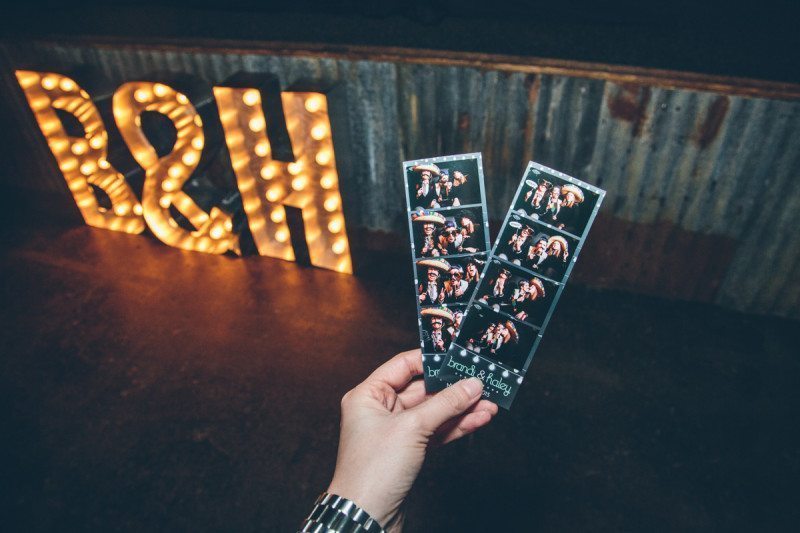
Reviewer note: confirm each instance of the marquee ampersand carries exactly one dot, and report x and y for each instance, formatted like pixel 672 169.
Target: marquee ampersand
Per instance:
pixel 166 175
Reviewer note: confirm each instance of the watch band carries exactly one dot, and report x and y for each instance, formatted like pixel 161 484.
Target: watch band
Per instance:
pixel 336 514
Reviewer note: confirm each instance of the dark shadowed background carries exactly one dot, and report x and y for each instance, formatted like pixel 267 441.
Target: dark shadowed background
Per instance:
pixel 145 388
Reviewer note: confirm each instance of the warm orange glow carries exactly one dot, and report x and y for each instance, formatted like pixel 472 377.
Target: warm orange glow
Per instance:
pixel 165 176
pixel 299 183
pixel 251 97
pixel 262 149
pixel 257 124
pixel 268 172
pixel 82 160
pixel 319 132
pixel 267 184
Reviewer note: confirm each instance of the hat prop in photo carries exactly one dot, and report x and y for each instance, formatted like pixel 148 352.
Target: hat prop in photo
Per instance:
pixel 438 312
pixel 561 240
pixel 536 282
pixel 457 268
pixel 420 215
pixel 430 167
pixel 512 330
pixel 433 262
pixel 576 191
pixel 444 174
pixel 450 223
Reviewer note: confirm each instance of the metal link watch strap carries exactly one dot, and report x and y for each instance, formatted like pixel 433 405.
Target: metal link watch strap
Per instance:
pixel 334 514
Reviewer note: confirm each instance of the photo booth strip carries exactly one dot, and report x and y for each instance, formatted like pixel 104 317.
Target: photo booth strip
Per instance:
pixel 501 358
pixel 449 231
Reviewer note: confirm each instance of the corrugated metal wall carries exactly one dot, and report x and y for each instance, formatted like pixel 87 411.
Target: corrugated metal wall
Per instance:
pixel 703 191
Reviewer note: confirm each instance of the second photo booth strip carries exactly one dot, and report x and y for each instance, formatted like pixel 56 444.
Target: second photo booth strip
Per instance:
pixel 449 230
pixel 502 325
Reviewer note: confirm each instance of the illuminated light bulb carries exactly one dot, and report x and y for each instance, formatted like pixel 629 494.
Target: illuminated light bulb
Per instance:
pixel 335 225
pixel 181 98
pixel 165 201
pixel 122 209
pixel 160 89
pixel 49 82
pixel 169 185
pixel 267 172
pixel 319 132
pixel 262 149
pixel 228 225
pixel 138 121
pixel 327 181
pixel 256 124
pixel 97 142
pixel 79 147
pixel 88 167
pixel 189 158
pixel 299 183
pixel 331 204
pixel 277 215
pixel 251 97
pixel 217 231
pixel 324 157
pixel 294 168
pixel 197 143
pixel 67 84
pixel 175 171
pixel 84 94
pixel 281 235
pixel 137 209
pixel 68 164
pixel 103 163
pixel 142 95
pixel 339 246
pixel 198 121
pixel 314 103
pixel 273 194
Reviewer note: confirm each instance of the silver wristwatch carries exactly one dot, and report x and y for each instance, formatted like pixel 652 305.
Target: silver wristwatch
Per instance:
pixel 334 514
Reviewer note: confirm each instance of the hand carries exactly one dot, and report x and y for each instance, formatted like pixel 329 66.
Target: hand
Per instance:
pixel 388 423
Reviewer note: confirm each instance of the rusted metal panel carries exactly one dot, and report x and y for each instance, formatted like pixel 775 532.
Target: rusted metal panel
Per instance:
pixel 703 191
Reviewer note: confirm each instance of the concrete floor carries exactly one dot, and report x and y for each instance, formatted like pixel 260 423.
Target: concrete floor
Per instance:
pixel 147 389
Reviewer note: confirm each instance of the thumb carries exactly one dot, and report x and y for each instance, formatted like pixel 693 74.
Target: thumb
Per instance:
pixel 449 403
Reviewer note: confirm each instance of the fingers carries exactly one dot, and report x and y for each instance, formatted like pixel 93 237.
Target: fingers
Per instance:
pixel 399 370
pixel 413 394
pixel 475 418
pixel 449 403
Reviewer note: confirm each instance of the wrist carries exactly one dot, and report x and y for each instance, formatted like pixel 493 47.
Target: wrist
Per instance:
pixel 363 497
pixel 333 512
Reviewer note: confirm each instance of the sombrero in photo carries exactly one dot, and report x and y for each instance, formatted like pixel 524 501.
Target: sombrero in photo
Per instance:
pixel 436 263
pixel 512 330
pixel 536 282
pixel 427 216
pixel 561 240
pixel 441 312
pixel 430 167
pixel 574 190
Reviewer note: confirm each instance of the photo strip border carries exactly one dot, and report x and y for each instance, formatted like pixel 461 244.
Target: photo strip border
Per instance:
pixel 502 381
pixel 432 361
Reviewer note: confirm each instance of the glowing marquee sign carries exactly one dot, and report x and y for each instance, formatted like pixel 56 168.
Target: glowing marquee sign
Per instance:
pixel 309 182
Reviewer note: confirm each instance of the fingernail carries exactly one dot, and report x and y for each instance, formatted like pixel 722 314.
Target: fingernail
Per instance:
pixel 473 386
